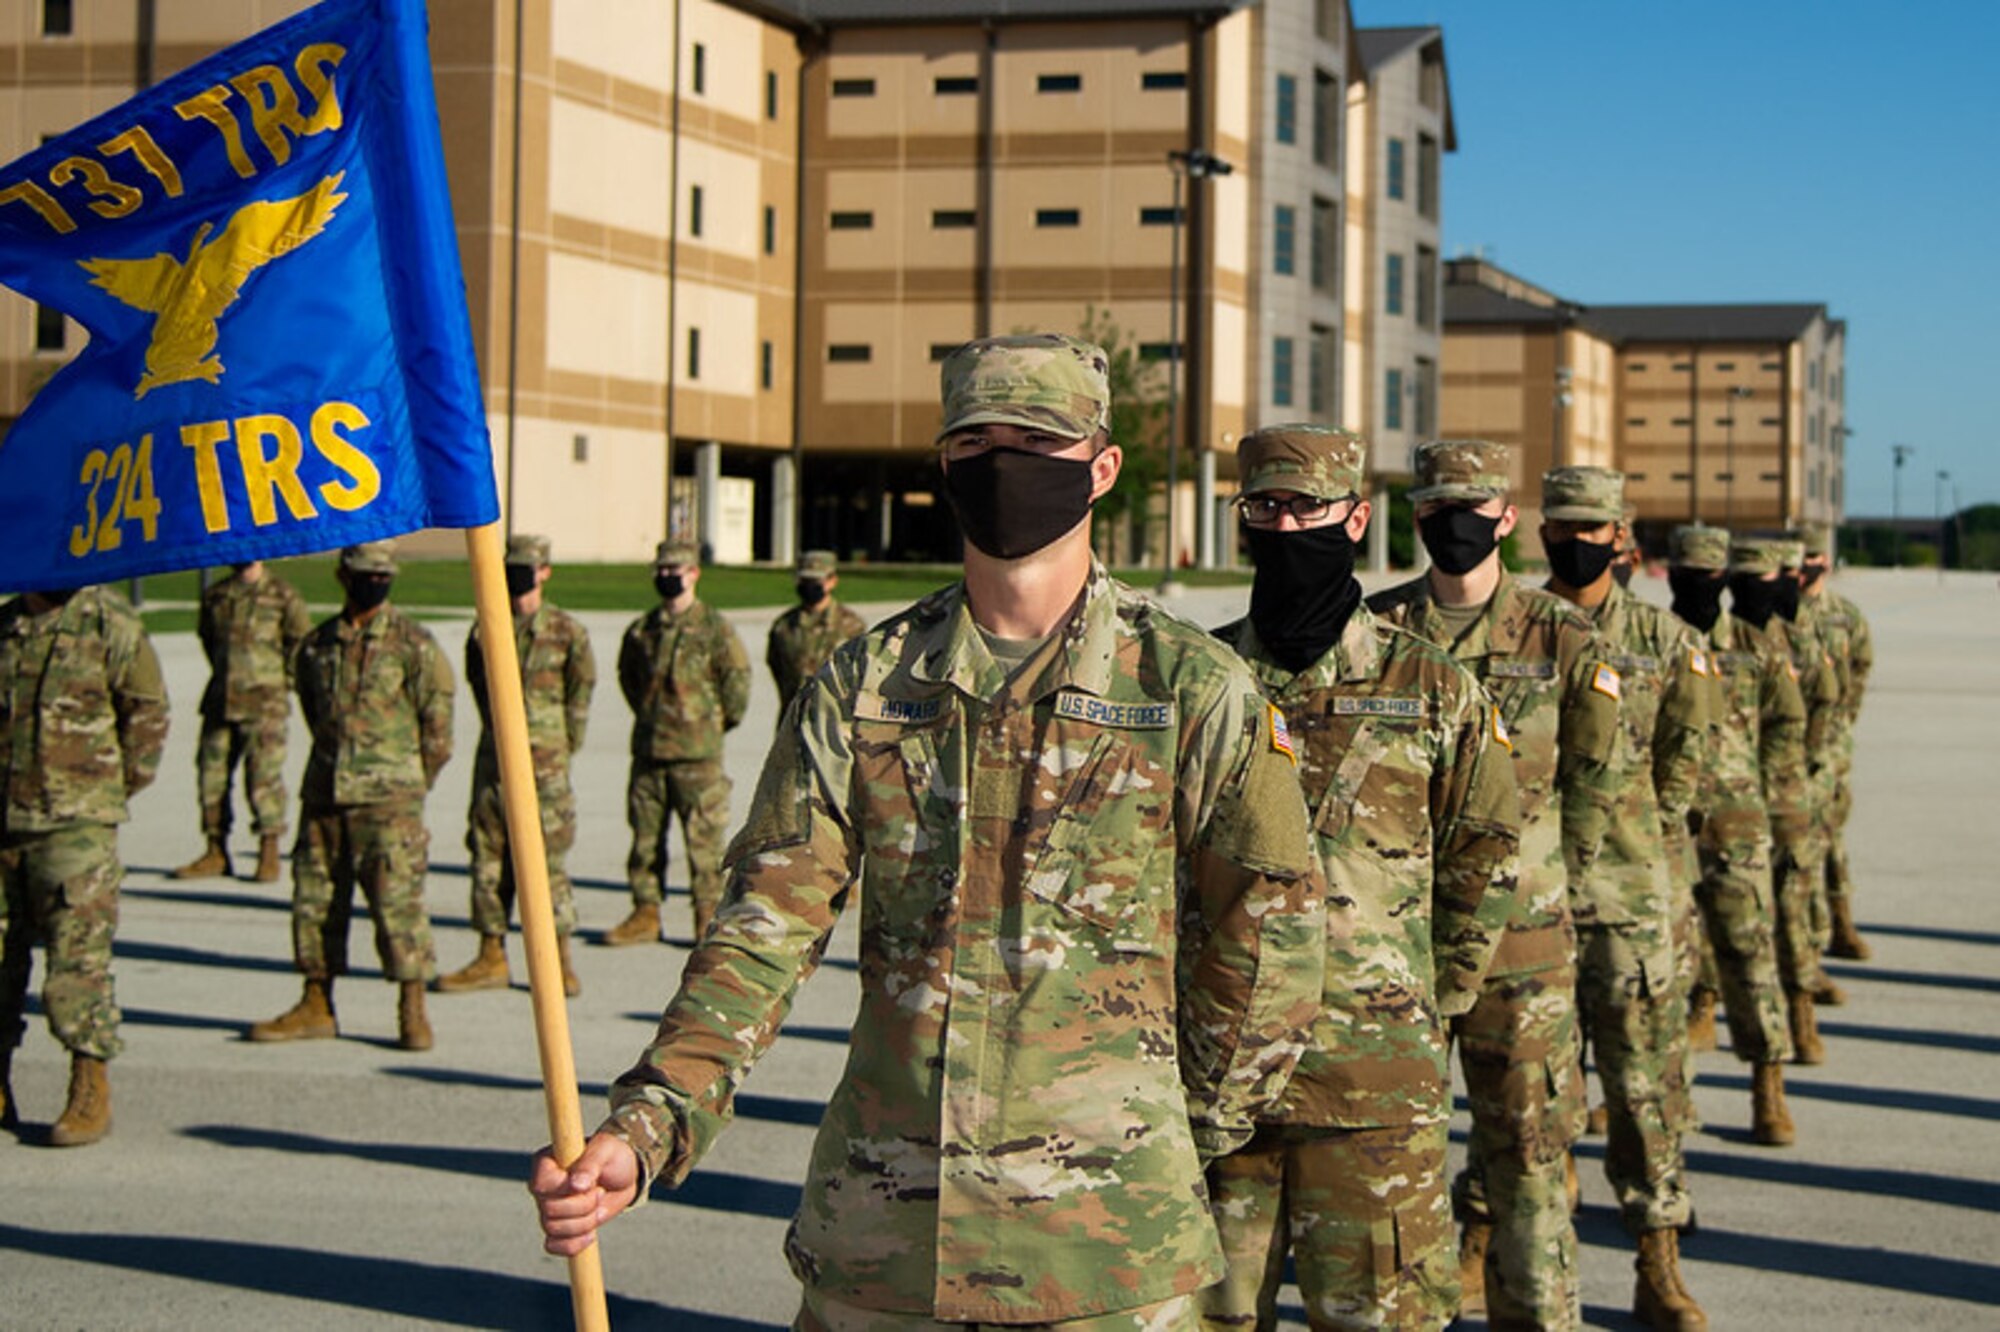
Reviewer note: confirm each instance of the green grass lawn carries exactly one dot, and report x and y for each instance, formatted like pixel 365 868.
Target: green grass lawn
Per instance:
pixel 448 584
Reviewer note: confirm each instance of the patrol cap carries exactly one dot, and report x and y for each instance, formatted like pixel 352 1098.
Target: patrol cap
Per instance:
pixel 1038 381
pixel 1583 495
pixel 370 557
pixel 675 554
pixel 1315 460
pixel 1818 538
pixel 1791 552
pixel 1461 469
pixel 532 551
pixel 1698 547
pixel 1756 555
pixel 818 564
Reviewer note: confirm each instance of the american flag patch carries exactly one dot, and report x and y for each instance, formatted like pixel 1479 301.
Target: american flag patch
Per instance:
pixel 1500 731
pixel 1281 734
pixel 1698 662
pixel 1606 681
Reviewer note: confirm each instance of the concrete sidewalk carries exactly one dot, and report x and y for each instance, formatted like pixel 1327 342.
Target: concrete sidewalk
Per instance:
pixel 348 1184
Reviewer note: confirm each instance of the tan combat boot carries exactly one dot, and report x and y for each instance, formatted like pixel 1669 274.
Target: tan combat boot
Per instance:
pixel 1473 1242
pixel 642 926
pixel 703 918
pixel 1847 941
pixel 1598 1122
pixel 1828 995
pixel 572 985
pixel 267 859
pixel 413 1027
pixel 1660 1300
pixel 1701 1020
pixel 1770 1122
pixel 1572 1183
pixel 87 1117
pixel 488 971
pixel 310 1019
pixel 1806 1045
pixel 210 864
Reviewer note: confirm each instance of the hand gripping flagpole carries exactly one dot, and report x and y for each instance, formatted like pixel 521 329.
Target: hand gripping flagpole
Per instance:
pixel 531 889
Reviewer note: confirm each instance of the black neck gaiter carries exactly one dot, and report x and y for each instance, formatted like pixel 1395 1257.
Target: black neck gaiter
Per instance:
pixel 1011 503
pixel 1697 596
pixel 1458 538
pixel 1305 591
pixel 1579 563
pixel 1752 598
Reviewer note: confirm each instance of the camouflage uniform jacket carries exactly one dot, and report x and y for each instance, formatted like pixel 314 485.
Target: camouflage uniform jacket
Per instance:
pixel 801 641
pixel 250 633
pixel 1849 645
pixel 558 676
pixel 1756 760
pixel 377 700
pixel 83 711
pixel 1819 682
pixel 1663 723
pixel 1091 941
pixel 1411 794
pixel 1543 665
pixel 687 680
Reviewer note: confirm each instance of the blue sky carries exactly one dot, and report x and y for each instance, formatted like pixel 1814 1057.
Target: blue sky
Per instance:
pixel 1763 150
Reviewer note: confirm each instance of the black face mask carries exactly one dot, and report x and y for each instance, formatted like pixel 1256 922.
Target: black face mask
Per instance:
pixel 811 591
pixel 367 591
pixel 1812 573
pixel 1579 563
pixel 1788 596
pixel 669 586
pixel 1697 596
pixel 1011 503
pixel 520 579
pixel 1458 538
pixel 1623 573
pixel 1304 592
pixel 1753 599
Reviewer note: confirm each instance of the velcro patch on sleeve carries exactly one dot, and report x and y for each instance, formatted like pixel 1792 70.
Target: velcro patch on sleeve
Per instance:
pixel 1500 731
pixel 1281 734
pixel 1698 662
pixel 1414 708
pixel 1122 716
pixel 1605 680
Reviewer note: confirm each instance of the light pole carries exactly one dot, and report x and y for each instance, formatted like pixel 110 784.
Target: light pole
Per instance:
pixel 1902 452
pixel 1937 513
pixel 1198 165
pixel 1564 397
pixel 1737 393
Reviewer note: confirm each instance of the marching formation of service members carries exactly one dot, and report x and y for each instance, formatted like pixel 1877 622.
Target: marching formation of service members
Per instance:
pixel 1166 936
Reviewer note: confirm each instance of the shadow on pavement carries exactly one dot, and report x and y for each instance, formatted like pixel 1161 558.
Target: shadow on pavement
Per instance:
pixel 1863 971
pixel 1888 1269
pixel 1931 932
pixel 152 1017
pixel 1946 1190
pixel 210 897
pixel 140 950
pixel 1937 1040
pixel 1881 1098
pixel 711 1190
pixel 770 1109
pixel 446 1296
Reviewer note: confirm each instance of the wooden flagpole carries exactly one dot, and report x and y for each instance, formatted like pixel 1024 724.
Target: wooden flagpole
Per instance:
pixel 531 889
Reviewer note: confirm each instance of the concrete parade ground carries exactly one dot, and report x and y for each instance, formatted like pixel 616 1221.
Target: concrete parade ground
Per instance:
pixel 336 1184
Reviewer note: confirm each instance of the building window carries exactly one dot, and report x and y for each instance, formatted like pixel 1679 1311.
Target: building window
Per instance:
pixel 940 350
pixel 1326 120
pixel 1392 286
pixel 1392 400
pixel 1325 244
pixel 1058 217
pixel 766 359
pixel 1423 415
pixel 694 210
pixel 700 72
pixel 856 221
pixel 850 353
pixel 1812 374
pixel 1725 365
pixel 854 87
pixel 57 20
pixel 1287 116
pixel 1770 365
pixel 770 229
pixel 1427 176
pixel 1059 83
pixel 1636 368
pixel 1284 239
pixel 949 219
pixel 1635 420
pixel 50 332
pixel 1159 351
pixel 1316 374
pixel 1161 217
pixel 1683 420
pixel 1427 287
pixel 1163 80
pixel 1395 168
pixel 954 85
pixel 770 94
pixel 579 448
pixel 1281 372
pixel 1683 367
pixel 694 353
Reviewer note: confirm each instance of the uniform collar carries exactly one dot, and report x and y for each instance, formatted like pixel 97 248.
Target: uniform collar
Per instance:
pixel 1355 658
pixel 950 649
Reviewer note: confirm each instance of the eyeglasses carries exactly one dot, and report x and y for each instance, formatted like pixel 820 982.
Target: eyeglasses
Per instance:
pixel 1264 511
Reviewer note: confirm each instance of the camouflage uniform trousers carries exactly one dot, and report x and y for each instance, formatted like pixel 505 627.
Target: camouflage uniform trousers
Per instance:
pixel 1735 897
pixel 258 744
pixel 1365 1213
pixel 493 865
pixel 1629 1001
pixel 385 851
pixel 1793 875
pixel 60 889
pixel 1824 785
pixel 1839 879
pixel 1689 956
pixel 1524 1082
pixel 698 792
pixel 820 1313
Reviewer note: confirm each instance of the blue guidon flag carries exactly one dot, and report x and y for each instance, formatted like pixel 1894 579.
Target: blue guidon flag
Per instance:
pixel 280 361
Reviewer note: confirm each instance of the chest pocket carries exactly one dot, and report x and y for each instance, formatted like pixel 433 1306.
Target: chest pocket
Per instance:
pixel 1378 797
pixel 1096 862
pixel 907 812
